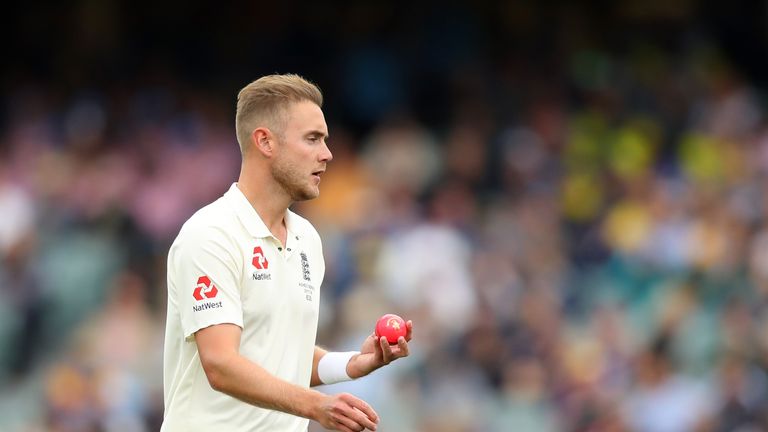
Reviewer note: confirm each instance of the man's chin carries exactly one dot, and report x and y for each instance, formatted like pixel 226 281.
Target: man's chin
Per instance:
pixel 306 195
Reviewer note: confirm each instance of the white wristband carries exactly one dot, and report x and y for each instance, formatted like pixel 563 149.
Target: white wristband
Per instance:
pixel 332 367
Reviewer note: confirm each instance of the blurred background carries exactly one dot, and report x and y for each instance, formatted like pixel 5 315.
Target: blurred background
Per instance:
pixel 569 201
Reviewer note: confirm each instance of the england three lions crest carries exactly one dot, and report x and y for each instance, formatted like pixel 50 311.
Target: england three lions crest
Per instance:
pixel 309 290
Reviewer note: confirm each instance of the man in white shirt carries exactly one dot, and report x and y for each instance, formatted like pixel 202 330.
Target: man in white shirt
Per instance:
pixel 244 277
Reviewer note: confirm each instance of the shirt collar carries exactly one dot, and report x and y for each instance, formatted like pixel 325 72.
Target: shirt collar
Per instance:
pixel 251 219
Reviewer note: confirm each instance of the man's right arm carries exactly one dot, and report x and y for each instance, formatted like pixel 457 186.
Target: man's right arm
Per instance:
pixel 231 373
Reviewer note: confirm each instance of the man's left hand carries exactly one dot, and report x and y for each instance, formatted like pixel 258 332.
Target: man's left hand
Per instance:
pixel 377 352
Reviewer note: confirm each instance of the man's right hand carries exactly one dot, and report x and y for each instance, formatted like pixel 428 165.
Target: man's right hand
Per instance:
pixel 347 413
pixel 229 372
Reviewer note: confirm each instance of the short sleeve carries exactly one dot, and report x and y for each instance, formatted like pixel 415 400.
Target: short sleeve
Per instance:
pixel 204 275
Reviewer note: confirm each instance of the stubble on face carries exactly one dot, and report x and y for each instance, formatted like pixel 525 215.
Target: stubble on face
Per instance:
pixel 291 168
pixel 293 181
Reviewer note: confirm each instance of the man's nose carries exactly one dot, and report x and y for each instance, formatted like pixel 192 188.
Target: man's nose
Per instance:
pixel 326 155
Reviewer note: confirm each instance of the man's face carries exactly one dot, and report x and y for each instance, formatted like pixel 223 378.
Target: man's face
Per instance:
pixel 302 151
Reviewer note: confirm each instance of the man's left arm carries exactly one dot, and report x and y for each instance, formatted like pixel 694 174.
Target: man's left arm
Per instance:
pixel 374 353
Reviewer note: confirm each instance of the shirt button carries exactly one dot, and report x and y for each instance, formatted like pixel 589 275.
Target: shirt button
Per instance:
pixel 289 249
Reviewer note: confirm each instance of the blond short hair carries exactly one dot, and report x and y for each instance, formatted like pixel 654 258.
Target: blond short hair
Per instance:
pixel 263 103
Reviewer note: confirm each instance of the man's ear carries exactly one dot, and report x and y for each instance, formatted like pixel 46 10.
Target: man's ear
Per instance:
pixel 263 141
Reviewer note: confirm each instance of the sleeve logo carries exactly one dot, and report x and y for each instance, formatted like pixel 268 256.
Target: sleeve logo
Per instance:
pixel 259 259
pixel 204 289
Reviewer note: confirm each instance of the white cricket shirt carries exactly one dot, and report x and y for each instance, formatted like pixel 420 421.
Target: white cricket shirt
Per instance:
pixel 226 267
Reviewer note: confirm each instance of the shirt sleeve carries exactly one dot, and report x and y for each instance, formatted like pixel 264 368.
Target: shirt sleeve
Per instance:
pixel 206 280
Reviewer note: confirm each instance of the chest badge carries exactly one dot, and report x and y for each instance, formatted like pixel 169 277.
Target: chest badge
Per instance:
pixel 305 267
pixel 309 289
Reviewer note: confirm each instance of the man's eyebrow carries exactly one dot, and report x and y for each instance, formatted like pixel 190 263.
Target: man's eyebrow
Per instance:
pixel 318 132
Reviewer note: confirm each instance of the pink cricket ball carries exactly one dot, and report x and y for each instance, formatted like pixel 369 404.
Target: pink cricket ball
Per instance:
pixel 390 326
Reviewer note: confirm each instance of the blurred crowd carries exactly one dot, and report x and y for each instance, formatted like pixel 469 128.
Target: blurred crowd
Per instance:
pixel 582 246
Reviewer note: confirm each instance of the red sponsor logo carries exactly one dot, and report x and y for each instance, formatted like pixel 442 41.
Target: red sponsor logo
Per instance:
pixel 204 289
pixel 259 260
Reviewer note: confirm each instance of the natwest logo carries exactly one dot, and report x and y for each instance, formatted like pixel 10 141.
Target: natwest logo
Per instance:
pixel 259 260
pixel 204 289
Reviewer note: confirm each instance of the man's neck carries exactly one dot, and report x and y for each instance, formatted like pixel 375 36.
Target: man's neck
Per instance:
pixel 267 204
